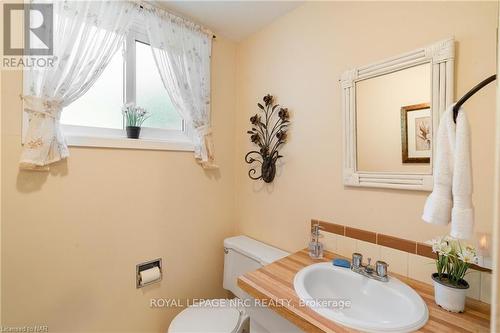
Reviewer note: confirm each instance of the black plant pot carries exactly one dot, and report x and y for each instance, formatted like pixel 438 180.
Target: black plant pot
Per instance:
pixel 268 170
pixel 133 132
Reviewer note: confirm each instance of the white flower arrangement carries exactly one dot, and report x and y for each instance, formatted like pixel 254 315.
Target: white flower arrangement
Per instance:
pixel 134 115
pixel 453 258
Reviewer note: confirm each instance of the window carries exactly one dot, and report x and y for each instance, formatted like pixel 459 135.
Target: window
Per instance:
pixel 150 92
pixel 95 119
pixel 101 104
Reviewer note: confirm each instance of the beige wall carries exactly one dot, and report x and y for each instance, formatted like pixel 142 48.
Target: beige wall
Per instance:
pixel 299 58
pixel 378 118
pixel 71 238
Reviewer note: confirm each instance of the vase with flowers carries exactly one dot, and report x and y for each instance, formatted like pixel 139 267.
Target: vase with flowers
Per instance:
pixel 453 261
pixel 134 116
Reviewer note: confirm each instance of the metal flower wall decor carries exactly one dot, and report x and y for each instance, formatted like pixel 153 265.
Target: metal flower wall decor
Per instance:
pixel 269 132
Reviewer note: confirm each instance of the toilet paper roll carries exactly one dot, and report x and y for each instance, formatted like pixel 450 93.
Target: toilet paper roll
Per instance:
pixel 150 275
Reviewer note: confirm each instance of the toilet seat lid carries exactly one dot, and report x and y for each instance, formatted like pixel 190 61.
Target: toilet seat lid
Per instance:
pixel 206 319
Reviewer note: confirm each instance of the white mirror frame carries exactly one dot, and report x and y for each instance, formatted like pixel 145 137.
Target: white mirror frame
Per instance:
pixel 441 57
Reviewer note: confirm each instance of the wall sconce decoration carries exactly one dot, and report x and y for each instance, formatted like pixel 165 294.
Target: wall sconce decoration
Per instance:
pixel 269 133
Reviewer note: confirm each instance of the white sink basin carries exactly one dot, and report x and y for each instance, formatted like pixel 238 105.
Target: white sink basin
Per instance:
pixel 374 306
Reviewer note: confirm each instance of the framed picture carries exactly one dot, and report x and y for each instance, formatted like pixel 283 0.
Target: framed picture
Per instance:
pixel 416 133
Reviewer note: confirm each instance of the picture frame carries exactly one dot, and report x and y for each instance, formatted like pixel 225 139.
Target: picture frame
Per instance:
pixel 416 133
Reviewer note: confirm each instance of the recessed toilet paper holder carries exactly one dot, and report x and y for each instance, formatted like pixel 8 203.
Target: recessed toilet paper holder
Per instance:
pixel 145 266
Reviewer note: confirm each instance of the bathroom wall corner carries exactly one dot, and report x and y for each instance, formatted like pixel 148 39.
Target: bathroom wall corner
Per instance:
pixel 486 288
pixel 473 277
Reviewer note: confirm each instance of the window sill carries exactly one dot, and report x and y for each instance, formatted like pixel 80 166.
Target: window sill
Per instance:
pixel 79 136
pixel 124 143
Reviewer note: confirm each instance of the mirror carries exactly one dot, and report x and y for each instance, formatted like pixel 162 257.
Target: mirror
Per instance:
pixel 393 121
pixel 391 111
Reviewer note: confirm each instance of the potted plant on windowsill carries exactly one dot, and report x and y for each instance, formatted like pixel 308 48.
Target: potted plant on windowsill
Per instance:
pixel 134 117
pixel 453 261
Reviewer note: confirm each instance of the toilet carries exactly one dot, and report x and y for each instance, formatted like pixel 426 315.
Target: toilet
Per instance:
pixel 240 315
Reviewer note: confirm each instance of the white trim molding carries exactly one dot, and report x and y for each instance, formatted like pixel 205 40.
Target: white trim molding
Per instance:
pixel 154 139
pixel 441 57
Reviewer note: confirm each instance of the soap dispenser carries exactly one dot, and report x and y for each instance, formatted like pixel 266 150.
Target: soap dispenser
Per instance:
pixel 315 246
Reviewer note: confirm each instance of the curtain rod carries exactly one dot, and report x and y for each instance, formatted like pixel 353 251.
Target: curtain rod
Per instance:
pixel 146 3
pixel 468 95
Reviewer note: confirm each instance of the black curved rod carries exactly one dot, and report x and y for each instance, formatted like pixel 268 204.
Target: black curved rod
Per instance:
pixel 250 159
pixel 252 172
pixel 474 90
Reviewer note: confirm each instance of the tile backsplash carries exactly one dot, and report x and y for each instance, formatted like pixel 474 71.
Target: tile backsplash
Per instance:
pixel 412 265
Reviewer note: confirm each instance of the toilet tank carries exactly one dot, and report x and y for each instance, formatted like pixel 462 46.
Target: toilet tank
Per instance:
pixel 243 254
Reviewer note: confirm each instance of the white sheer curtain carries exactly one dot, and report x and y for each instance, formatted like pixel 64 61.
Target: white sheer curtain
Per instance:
pixel 182 52
pixel 86 35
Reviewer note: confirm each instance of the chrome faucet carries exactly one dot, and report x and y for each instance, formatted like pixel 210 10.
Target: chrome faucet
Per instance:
pixel 379 273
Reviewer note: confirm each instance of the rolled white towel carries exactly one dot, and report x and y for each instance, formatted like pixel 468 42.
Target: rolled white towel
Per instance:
pixel 462 223
pixel 462 214
pixel 437 209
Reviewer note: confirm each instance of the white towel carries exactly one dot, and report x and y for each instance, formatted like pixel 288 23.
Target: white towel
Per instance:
pixel 437 208
pixel 462 214
pixel 452 178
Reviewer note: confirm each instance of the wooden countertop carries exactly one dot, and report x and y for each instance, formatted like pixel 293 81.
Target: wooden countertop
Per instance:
pixel 274 282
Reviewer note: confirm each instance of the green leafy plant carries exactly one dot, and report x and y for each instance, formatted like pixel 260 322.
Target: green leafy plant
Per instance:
pixel 134 115
pixel 453 259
